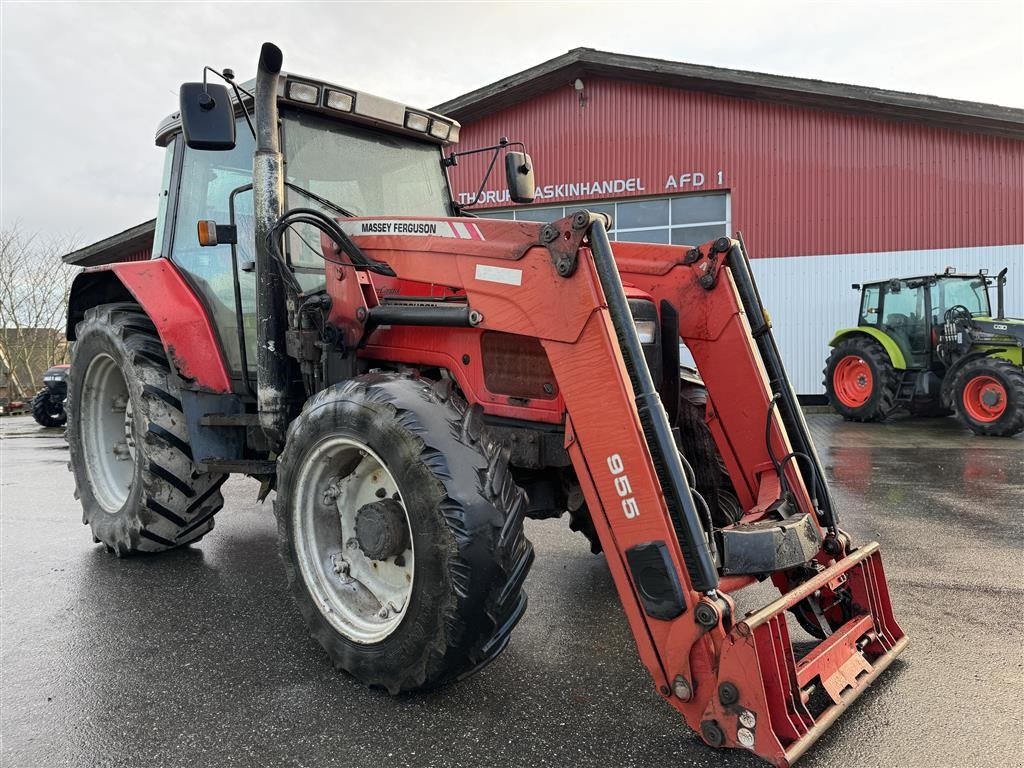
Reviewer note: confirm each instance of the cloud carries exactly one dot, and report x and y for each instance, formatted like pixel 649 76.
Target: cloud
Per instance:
pixel 83 86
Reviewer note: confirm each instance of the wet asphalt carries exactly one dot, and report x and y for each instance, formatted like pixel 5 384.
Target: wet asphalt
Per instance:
pixel 198 657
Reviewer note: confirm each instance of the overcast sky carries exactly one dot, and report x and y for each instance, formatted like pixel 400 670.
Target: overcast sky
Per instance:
pixel 83 85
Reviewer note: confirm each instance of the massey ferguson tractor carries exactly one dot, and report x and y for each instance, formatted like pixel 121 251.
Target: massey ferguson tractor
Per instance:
pixel 930 345
pixel 413 381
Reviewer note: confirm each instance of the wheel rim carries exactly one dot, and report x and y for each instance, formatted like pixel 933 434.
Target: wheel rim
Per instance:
pixel 985 398
pixel 853 381
pixel 362 598
pixel 108 433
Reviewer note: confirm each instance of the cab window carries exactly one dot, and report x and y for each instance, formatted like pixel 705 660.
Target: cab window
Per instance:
pixel 903 315
pixel 869 305
pixel 207 182
pixel 950 292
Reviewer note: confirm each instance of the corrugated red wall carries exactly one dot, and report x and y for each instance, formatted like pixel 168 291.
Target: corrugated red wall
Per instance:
pixel 802 181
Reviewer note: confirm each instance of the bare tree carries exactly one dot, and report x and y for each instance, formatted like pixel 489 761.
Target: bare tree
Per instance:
pixel 34 286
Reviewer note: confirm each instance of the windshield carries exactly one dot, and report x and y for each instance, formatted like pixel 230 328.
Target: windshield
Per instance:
pixel 367 172
pixel 952 291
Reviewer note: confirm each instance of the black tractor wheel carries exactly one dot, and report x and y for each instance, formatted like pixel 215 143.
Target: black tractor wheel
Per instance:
pixel 134 475
pixel 401 531
pixel 709 475
pixel 46 412
pixel 711 479
pixel 988 395
pixel 860 380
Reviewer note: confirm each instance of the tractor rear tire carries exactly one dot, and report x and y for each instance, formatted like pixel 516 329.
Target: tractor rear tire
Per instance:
pixel 134 474
pixel 988 396
pixel 45 412
pixel 860 381
pixel 456 530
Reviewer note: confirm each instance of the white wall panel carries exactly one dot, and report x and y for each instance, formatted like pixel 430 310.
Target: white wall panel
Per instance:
pixel 809 297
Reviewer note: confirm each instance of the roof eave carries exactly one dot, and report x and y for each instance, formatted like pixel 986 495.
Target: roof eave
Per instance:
pixel 815 94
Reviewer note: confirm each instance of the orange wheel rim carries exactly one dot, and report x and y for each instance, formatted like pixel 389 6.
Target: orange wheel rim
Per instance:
pixel 852 381
pixel 985 398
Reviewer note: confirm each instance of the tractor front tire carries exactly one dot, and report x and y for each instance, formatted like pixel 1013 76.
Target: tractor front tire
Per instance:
pixel 988 396
pixel 46 412
pixel 860 381
pixel 401 531
pixel 134 474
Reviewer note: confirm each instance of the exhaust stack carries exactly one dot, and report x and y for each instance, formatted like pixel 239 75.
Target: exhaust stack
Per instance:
pixel 1000 282
pixel 268 202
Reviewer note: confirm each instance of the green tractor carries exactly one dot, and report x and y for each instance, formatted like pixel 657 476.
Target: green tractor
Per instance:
pixel 931 346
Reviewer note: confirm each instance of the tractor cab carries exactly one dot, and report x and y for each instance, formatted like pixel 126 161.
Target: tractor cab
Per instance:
pixel 911 311
pixel 346 153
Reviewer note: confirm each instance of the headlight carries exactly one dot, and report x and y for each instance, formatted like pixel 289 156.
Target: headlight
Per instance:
pixel 647 331
pixel 416 122
pixel 304 92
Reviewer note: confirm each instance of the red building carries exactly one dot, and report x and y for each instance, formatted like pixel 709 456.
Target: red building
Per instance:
pixel 830 184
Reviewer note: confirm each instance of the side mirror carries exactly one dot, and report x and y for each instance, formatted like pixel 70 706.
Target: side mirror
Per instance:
pixel 519 175
pixel 207 116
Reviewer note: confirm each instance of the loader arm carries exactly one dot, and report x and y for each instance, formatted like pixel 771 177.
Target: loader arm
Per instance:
pixel 738 683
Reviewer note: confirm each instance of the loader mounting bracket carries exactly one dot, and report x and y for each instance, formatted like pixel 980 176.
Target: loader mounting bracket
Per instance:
pixel 563 239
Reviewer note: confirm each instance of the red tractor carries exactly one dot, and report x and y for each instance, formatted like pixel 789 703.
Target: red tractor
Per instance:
pixel 413 381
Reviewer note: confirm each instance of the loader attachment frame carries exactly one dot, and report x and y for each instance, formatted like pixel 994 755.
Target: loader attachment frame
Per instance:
pixel 737 682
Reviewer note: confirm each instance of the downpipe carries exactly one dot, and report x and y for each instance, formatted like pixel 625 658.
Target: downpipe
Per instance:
pixel 268 204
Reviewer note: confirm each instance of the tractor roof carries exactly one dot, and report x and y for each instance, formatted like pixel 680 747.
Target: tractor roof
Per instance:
pixel 941 276
pixel 345 104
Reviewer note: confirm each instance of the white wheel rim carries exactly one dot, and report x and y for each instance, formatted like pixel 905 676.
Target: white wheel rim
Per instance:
pixel 108 433
pixel 363 599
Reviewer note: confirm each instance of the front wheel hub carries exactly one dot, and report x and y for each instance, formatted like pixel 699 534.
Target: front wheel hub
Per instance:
pixel 985 398
pixel 381 529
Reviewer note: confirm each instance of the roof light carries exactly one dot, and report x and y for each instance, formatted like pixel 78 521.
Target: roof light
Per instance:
pixel 304 92
pixel 340 100
pixel 440 129
pixel 414 121
pixel 453 134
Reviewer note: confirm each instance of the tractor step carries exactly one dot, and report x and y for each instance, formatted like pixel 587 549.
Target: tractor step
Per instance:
pixel 785 702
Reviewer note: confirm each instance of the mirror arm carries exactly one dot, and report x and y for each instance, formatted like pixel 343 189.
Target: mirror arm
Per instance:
pixel 490 167
pixel 239 90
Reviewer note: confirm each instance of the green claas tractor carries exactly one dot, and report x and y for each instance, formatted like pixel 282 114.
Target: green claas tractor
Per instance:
pixel 930 345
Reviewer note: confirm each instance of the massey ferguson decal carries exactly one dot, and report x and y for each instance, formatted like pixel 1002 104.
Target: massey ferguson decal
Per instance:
pixel 457 230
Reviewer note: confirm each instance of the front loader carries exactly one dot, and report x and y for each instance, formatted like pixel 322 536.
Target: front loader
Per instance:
pixel 432 379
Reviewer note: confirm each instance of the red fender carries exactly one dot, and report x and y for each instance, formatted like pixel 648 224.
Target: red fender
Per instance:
pixel 180 319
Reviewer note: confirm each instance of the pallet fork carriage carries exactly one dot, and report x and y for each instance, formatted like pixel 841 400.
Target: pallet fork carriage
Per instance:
pixel 476 343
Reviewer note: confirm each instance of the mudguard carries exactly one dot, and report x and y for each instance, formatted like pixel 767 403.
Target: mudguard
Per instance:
pixel 891 347
pixel 163 293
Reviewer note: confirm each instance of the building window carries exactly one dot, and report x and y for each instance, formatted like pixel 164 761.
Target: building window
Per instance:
pixel 679 220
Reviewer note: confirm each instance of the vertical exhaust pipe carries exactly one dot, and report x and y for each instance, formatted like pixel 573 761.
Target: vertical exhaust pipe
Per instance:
pixel 268 202
pixel 1000 282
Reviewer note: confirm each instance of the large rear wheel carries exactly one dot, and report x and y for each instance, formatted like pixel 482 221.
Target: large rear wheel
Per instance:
pixel 134 474
pixel 860 381
pixel 401 531
pixel 988 395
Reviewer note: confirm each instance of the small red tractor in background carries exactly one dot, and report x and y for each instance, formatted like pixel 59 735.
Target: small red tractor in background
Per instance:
pixel 414 381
